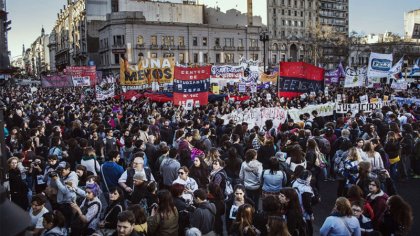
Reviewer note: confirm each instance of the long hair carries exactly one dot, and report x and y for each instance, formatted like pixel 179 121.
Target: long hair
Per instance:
pixel 368 148
pixel 277 226
pixel 343 207
pixel 391 137
pixel 364 168
pixel 244 217
pixel 293 204
pixel 401 212
pixel 166 202
pixel 353 155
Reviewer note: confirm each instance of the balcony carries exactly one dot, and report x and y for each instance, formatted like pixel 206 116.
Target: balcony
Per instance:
pixel 164 47
pixel 241 48
pixel 118 46
pixel 218 48
pixel 140 46
pixel 182 47
pixel 229 48
pixel 154 47
pixel 254 48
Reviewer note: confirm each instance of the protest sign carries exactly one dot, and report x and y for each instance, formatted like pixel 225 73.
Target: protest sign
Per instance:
pixel 81 81
pixel 82 72
pixel 355 78
pixel 379 65
pixel 257 116
pixel 356 107
pixel 56 81
pixel 191 83
pixel 326 109
pixel 104 91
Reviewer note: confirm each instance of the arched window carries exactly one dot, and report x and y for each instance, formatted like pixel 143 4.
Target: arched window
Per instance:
pixel 140 40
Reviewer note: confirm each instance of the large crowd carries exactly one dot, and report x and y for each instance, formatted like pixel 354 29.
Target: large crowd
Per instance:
pixel 84 167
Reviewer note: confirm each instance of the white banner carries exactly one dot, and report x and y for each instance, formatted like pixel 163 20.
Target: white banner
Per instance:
pixel 257 116
pixel 379 65
pixel 104 91
pixel 356 107
pixel 81 81
pixel 326 109
pixel 399 85
pixel 355 78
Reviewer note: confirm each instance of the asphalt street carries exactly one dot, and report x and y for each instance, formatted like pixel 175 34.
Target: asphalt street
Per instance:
pixel 409 190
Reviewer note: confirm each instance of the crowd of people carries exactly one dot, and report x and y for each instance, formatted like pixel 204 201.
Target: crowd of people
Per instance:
pixel 86 167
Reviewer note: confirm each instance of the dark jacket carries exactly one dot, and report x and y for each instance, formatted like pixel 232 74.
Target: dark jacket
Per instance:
pixel 264 154
pixel 203 217
pixel 229 204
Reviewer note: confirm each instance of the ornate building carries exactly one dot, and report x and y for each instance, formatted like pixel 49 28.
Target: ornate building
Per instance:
pixel 4 28
pixel 37 57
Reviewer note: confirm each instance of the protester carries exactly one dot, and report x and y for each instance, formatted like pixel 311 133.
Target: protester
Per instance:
pixel 341 221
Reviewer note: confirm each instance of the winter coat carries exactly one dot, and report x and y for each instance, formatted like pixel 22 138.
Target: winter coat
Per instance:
pixel 378 203
pixel 163 225
pixel 250 174
pixel 340 225
pixel 203 217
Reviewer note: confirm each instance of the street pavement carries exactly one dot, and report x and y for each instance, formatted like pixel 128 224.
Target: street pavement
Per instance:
pixel 409 190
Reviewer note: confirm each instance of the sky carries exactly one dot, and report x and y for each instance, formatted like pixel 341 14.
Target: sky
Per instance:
pixel 366 16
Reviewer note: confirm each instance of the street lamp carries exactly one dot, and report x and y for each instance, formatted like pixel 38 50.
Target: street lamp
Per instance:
pixel 264 38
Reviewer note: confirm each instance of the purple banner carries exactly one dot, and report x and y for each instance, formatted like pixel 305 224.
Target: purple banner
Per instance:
pixel 56 81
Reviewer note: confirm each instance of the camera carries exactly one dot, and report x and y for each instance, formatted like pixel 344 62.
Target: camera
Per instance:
pixel 53 174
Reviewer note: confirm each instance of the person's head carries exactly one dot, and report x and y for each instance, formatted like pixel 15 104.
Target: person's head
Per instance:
pixel 360 142
pixel 177 189
pixel 353 155
pixel 109 132
pixel 374 186
pixel 368 148
pixel 116 194
pixel 53 219
pixel 239 192
pixel 139 178
pixel 312 145
pixel 52 160
pixel 218 164
pixel 343 207
pixel 126 222
pixel 345 133
pixel 289 197
pixel 391 136
pixel 114 156
pixel 277 225
pixel 354 193
pixel 357 208
pixel 139 214
pixel 37 203
pixel 65 168
pixel 138 163
pixel 92 179
pixel 272 205
pixel 192 232
pixel 200 195
pixel 165 202
pixel 183 172
pixel 400 211
pixel 244 215
pixel 274 164
pixel 213 153
pixel 250 155
pixel 81 170
pixel 364 168
pixel 306 176
pixel 92 191
pixel 13 162
pixel 198 161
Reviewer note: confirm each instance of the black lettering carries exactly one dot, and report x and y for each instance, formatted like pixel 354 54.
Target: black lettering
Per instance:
pixel 130 77
pixel 157 74
pixel 167 73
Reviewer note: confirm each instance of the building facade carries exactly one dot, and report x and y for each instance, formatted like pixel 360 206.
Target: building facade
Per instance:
pixel 130 35
pixel 4 28
pixel 36 58
pixel 308 30
pixel 410 18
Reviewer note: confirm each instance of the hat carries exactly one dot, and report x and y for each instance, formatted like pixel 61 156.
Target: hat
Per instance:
pixel 140 176
pixel 281 156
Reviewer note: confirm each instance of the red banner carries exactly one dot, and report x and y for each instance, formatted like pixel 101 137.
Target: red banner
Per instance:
pixel 191 84
pixel 299 77
pixel 82 71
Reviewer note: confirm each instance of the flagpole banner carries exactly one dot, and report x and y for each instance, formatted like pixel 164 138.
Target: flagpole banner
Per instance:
pixel 299 77
pixel 379 65
pixel 264 78
pixel 104 91
pixel 56 81
pixel 191 84
pixel 416 67
pixel 227 72
pixel 257 116
pixel 81 81
pixel 326 109
pixel 356 107
pixel 355 78
pixel 395 71
pixel 399 85
pixel 401 101
pixel 333 76
pixel 146 72
pixel 82 71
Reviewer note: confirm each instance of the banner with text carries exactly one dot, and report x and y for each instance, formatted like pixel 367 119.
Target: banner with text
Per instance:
pixel 326 109
pixel 379 65
pixel 81 81
pixel 56 81
pixel 257 116
pixel 82 72
pixel 356 107
pixel 355 78
pixel 191 84
pixel 104 91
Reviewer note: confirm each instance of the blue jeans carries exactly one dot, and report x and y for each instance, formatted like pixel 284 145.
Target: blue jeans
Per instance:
pixel 393 169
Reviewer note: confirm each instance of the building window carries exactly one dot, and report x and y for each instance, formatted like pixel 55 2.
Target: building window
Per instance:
pixel 282 11
pixel 229 57
pixel 153 55
pixel 289 2
pixel 274 11
pixel 283 22
pixel 181 58
pixel 168 55
pixel 254 43
pixel 195 57
pixel 140 40
pixel 119 40
pixel 181 41
pixel 241 43
pixel 117 58
pixel 205 41
pixel 229 42
pixel 217 57
pixel 295 3
pixel 195 41
pixel 283 33
pixel 205 58
pixel 290 12
pixel 301 14
pixel 153 40
pixel 217 42
pixel 295 13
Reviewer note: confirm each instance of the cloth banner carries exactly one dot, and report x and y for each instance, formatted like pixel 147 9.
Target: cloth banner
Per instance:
pixel 257 116
pixel 401 101
pixel 82 71
pixel 333 76
pixel 146 72
pixel 264 78
pixel 356 107
pixel 326 109
pixel 379 65
pixel 355 78
pixel 227 72
pixel 104 91
pixel 81 81
pixel 395 71
pixel 251 70
pixel 56 81
pixel 299 77
pixel 191 83
pixel 399 85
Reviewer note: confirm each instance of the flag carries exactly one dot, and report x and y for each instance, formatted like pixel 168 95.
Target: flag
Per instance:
pixel 416 67
pixel 395 71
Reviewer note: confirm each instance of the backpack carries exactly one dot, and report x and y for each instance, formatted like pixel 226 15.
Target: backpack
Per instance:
pixel 339 159
pixel 228 185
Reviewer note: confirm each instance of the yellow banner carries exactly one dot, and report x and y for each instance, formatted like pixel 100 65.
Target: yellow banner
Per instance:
pixel 215 89
pixel 373 100
pixel 269 78
pixel 160 70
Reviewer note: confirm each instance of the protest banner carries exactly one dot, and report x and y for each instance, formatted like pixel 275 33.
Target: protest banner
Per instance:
pixel 333 76
pixel 400 101
pixel 81 72
pixel 257 116
pixel 215 89
pixel 242 87
pixel 191 83
pixel 356 107
pixel 399 85
pixel 355 78
pixel 81 81
pixel 227 72
pixel 326 109
pixel 379 65
pixel 264 78
pixel 374 100
pixel 299 77
pixel 364 98
pixel 56 81
pixel 105 91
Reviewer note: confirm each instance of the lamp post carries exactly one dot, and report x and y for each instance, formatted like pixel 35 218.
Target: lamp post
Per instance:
pixel 264 38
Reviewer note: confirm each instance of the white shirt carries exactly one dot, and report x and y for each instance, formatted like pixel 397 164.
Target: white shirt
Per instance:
pixel 36 220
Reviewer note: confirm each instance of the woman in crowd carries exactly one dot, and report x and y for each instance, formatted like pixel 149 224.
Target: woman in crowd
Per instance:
pixel 277 226
pixel 54 224
pixel 313 161
pixel 163 219
pixel 296 157
pixel 200 172
pixel 250 174
pixel 293 211
pixel 233 165
pixel 189 183
pixel 212 156
pixel 266 151
pixel 392 148
pixel 18 188
pixel 351 167
pixel 90 161
pixel 373 157
pixel 238 199
pixel 364 177
pixel 116 205
pixel 83 174
pixel 140 225
pixel 377 199
pixel 243 224
pixel 273 179
pixel 398 218
pixel 218 174
pixel 216 197
pixel 341 221
pixel 355 193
